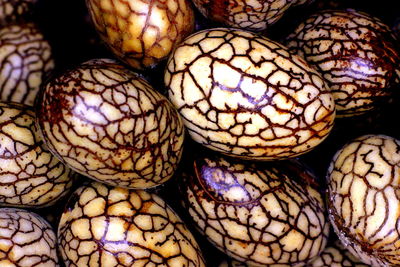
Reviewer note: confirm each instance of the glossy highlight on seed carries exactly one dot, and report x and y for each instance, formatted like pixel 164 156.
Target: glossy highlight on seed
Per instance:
pixel 142 32
pixel 246 96
pixel 109 124
pixel 257 214
pixel 26 240
pixel 104 226
pixel 356 53
pixel 25 61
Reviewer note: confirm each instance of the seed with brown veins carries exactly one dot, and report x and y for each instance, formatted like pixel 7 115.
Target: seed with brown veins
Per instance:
pixel 142 32
pixel 245 96
pixel 109 227
pixel 257 214
pixel 356 54
pixel 336 255
pixel 14 10
pixel 26 240
pixel 254 15
pixel 30 176
pixel 25 60
pixel 363 200
pixel 109 124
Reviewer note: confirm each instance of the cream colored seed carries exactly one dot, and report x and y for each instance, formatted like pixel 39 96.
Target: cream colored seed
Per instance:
pixel 256 215
pixel 113 127
pixel 262 104
pixel 26 240
pixel 139 229
pixel 362 182
pixel 347 49
pixel 30 175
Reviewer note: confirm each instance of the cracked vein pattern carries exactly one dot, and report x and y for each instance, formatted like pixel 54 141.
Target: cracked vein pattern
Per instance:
pixel 336 255
pixel 255 15
pixel 356 54
pixel 246 96
pixel 142 32
pixel 110 227
pixel 12 10
pixel 256 214
pixel 363 188
pixel 25 60
pixel 109 124
pixel 26 240
pixel 30 176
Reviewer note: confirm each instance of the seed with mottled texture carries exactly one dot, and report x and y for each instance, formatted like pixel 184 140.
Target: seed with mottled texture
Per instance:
pixel 30 176
pixel 14 10
pixel 257 214
pixel 246 96
pixel 364 203
pixel 109 124
pixel 254 15
pixel 142 32
pixel 26 240
pixel 356 54
pixel 25 60
pixel 336 255
pixel 109 227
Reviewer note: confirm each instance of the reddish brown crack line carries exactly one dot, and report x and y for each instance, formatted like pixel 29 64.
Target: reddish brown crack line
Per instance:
pixel 206 189
pixel 28 162
pixel 367 43
pixel 21 230
pixel 228 147
pixel 177 231
pixel 65 96
pixel 26 59
pixel 180 22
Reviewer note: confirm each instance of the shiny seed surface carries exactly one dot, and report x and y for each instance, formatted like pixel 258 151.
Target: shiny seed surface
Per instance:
pixel 26 240
pixel 25 60
pixel 336 255
pixel 109 124
pixel 255 214
pixel 142 32
pixel 107 227
pixel 246 96
pixel 255 15
pixel 30 176
pixel 355 52
pixel 363 184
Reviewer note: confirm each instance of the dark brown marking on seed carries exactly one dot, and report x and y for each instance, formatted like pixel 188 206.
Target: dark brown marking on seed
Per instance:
pixel 251 214
pixel 109 124
pixel 30 176
pixel 246 14
pixel 129 235
pixel 356 53
pixel 142 33
pixel 26 60
pixel 268 118
pixel 362 200
pixel 26 239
